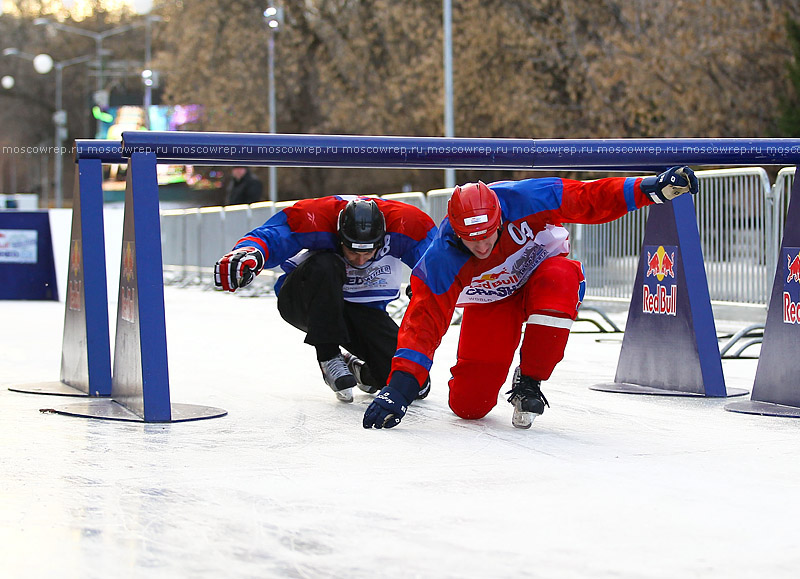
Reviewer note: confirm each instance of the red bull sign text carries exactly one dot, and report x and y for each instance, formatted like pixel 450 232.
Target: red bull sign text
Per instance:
pixel 127 304
pixel 791 285
pixel 659 288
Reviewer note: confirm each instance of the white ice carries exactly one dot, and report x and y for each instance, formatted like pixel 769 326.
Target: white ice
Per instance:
pixel 289 484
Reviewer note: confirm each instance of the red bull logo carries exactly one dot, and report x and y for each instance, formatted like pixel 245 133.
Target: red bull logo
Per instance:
pixel 75 258
pixel 490 281
pixel 791 289
pixel 793 265
pixel 127 261
pixel 127 304
pixel 660 264
pixel 658 298
pixel 492 276
pixel 74 295
pixel 75 284
pixel 661 301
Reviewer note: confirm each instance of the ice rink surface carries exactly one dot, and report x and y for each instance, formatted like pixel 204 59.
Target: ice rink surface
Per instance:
pixel 289 484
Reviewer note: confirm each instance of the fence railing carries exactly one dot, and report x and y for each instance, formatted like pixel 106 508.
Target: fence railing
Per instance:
pixel 740 229
pixel 740 216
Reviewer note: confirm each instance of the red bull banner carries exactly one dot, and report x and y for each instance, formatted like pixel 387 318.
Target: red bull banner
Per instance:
pixel 127 292
pixel 660 286
pixel 75 283
pixel 791 285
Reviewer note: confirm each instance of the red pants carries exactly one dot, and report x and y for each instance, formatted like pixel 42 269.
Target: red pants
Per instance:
pixel 490 333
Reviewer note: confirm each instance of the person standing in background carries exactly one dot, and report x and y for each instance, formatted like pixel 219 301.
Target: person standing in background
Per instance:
pixel 243 188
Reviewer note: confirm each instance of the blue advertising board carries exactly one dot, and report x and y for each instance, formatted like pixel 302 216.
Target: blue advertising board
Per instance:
pixel 27 266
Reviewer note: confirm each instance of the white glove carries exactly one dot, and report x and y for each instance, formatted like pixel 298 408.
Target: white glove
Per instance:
pixel 669 184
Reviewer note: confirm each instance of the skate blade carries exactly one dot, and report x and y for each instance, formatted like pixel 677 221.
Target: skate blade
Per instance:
pixel 345 395
pixel 523 419
pixel 367 389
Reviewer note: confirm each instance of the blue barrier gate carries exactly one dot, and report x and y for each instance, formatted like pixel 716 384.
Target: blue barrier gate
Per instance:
pixel 670 344
pixel 146 149
pixel 85 353
pixel 140 383
pixel 776 390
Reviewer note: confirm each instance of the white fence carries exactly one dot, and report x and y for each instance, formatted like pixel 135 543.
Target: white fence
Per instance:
pixel 740 217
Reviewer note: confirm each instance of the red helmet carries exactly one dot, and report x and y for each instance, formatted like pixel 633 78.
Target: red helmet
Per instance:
pixel 474 211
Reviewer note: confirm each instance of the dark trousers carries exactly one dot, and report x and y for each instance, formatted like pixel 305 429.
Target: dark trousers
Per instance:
pixel 311 299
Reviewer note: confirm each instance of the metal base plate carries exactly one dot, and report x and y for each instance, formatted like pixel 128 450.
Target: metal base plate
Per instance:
pixel 52 389
pixel 107 409
pixel 626 388
pixel 763 408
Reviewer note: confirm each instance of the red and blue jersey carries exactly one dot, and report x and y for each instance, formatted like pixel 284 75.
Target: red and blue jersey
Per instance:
pixel 310 225
pixel 450 276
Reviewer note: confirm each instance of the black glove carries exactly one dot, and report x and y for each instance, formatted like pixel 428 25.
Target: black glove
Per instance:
pixel 391 404
pixel 669 184
pixel 238 268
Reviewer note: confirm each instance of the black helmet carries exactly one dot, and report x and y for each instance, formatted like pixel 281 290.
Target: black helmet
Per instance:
pixel 362 226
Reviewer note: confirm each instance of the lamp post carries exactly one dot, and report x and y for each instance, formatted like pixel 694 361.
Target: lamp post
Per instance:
pixel 60 120
pixel 449 174
pixel 99 96
pixel 43 63
pixel 273 16
pixel 149 76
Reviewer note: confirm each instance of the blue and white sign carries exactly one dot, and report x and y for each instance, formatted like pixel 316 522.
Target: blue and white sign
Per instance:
pixel 18 245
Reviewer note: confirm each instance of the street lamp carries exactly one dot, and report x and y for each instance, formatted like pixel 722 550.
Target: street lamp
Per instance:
pixel 99 96
pixel 7 82
pixel 273 16
pixel 449 174
pixel 149 76
pixel 43 64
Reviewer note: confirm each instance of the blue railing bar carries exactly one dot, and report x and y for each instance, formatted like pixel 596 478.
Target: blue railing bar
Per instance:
pixel 440 152
pixel 107 151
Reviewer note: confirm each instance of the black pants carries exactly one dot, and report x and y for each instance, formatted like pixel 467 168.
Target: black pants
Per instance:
pixel 311 299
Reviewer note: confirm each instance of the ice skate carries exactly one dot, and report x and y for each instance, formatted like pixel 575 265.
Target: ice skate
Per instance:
pixel 338 377
pixel 527 398
pixel 426 389
pixel 361 371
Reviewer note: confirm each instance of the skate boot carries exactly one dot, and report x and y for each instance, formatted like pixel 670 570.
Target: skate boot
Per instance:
pixel 338 377
pixel 359 369
pixel 527 398
pixel 426 389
